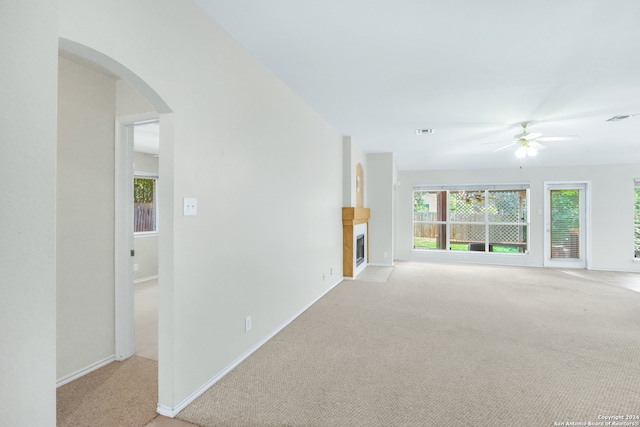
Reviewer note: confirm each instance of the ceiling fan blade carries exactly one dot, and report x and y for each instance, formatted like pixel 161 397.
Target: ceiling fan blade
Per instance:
pixel 492 143
pixel 559 138
pixel 503 147
pixel 531 136
pixel 536 145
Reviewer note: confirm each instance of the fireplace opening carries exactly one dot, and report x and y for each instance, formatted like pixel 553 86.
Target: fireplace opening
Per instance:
pixel 359 249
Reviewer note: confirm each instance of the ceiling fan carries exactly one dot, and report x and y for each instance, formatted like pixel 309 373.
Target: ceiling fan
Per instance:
pixel 529 143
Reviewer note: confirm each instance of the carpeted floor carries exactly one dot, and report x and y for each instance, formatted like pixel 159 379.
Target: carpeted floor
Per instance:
pixel 121 394
pixel 445 345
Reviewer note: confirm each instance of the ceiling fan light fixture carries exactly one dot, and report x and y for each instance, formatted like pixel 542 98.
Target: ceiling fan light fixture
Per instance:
pixel 524 151
pixel 527 143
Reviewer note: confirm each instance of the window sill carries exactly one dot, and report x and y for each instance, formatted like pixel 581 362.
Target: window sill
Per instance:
pixel 145 234
pixel 440 251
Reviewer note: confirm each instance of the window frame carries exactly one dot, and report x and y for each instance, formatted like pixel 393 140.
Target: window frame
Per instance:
pixel 636 225
pixel 524 222
pixel 155 178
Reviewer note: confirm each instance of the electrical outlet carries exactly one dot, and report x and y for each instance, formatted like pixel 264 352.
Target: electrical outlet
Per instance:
pixel 247 324
pixel 135 267
pixel 384 254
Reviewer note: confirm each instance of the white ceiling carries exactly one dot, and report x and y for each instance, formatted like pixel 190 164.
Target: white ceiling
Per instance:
pixel 472 70
pixel 146 138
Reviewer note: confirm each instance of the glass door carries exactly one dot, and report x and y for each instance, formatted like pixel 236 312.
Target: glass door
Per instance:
pixel 565 225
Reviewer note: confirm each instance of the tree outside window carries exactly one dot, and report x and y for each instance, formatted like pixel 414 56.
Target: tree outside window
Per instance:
pixel 144 205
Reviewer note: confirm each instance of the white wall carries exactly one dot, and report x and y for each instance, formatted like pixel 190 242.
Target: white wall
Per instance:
pixel 145 162
pixel 28 85
pixel 85 217
pixel 381 168
pixel 395 209
pixel 265 168
pixel 146 245
pixel 146 258
pixel 129 101
pixel 352 155
pixel 611 212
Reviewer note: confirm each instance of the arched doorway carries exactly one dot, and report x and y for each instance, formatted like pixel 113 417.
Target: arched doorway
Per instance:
pixel 122 327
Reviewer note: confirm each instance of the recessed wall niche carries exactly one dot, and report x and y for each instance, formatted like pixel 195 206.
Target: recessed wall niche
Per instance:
pixel 355 227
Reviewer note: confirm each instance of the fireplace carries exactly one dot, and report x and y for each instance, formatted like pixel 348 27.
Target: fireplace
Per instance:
pixel 359 250
pixel 355 250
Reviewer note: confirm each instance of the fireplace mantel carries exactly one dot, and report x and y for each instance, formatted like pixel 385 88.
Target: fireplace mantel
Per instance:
pixel 350 218
pixel 353 216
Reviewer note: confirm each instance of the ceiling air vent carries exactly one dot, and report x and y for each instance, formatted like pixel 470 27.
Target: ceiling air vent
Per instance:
pixel 622 117
pixel 423 131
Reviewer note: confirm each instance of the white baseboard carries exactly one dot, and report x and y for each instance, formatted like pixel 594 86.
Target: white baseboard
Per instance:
pixel 381 265
pixel 82 372
pixel 172 412
pixel 144 279
pixel 523 257
pixel 166 411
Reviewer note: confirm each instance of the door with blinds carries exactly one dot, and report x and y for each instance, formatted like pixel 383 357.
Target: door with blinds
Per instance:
pixel 565 225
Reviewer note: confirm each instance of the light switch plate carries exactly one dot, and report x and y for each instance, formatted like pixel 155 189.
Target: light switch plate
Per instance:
pixel 190 206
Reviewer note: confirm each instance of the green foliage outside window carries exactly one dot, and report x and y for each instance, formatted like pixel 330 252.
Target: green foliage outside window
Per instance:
pixel 565 213
pixel 418 202
pixel 452 220
pixel 144 209
pixel 143 189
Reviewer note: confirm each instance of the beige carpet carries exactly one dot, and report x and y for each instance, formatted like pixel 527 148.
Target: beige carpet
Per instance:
pixel 121 394
pixel 444 345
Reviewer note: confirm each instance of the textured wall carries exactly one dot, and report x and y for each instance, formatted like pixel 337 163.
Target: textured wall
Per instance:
pixel 381 201
pixel 85 217
pixel 28 54
pixel 266 170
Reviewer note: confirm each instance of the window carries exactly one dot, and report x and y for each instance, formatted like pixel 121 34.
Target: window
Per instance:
pixel 471 219
pixel 636 219
pixel 144 205
pixel 429 219
pixel 565 223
